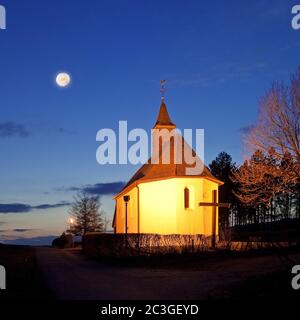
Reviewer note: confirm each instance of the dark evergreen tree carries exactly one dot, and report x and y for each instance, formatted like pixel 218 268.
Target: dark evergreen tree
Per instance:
pixel 222 168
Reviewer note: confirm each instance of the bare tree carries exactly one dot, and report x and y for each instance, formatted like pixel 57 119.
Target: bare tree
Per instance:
pixel 259 179
pixel 278 124
pixel 87 214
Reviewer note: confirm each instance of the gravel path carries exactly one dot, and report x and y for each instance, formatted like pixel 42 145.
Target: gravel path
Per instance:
pixel 70 275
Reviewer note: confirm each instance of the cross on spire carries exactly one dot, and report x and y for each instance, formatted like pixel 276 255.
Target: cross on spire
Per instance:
pixel 163 88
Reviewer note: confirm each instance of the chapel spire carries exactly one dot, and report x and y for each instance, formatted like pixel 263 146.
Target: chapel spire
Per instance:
pixel 163 118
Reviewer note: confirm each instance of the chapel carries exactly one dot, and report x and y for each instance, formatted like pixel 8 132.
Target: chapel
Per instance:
pixel 164 198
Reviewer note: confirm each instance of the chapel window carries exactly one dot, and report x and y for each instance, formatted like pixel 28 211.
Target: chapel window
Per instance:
pixel 186 198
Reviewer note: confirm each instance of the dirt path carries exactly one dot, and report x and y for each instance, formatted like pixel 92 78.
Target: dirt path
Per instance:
pixel 70 275
pixel 24 280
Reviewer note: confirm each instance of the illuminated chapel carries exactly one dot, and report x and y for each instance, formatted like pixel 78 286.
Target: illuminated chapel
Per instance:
pixel 164 198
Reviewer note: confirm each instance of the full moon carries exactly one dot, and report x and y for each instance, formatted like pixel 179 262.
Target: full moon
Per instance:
pixel 63 79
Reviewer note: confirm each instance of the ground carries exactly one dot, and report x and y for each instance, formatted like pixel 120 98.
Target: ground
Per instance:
pixel 46 273
pixel 25 280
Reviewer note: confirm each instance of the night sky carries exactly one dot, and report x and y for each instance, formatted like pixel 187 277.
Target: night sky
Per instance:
pixel 218 58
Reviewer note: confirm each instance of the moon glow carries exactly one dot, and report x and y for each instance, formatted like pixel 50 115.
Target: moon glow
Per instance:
pixel 63 79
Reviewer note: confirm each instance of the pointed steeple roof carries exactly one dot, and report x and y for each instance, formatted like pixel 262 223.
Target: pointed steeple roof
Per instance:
pixel 163 119
pixel 152 171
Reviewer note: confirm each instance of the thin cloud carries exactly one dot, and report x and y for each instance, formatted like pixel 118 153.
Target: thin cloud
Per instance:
pixel 13 129
pixel 14 208
pixel 221 74
pixel 22 230
pixel 18 230
pixel 104 188
pixel 65 131
pixel 99 189
pixel 23 208
pixel 51 206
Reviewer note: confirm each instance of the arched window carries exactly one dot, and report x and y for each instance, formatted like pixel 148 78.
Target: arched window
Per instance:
pixel 189 198
pixel 186 198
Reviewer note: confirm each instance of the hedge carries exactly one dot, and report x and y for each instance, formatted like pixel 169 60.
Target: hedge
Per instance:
pixel 118 245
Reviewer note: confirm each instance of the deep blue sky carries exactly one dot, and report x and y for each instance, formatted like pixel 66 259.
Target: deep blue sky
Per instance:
pixel 219 57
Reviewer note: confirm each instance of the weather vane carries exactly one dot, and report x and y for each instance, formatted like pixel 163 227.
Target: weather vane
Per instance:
pixel 163 88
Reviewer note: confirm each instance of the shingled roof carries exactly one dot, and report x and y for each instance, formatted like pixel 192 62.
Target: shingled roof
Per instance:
pixel 163 119
pixel 152 171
